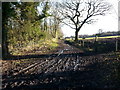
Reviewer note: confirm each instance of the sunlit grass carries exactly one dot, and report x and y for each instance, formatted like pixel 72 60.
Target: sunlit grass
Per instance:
pixel 44 46
pixel 70 39
pixel 101 37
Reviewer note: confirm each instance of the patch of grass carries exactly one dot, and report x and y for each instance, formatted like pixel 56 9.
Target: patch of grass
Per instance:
pixel 43 45
pixel 51 44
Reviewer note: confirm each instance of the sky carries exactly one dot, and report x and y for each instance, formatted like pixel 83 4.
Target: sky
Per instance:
pixel 108 22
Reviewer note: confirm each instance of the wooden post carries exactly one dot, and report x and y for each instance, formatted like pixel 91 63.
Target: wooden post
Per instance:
pixel 116 44
pixel 83 41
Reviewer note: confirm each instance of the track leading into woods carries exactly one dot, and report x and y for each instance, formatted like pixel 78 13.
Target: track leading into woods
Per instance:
pixel 65 68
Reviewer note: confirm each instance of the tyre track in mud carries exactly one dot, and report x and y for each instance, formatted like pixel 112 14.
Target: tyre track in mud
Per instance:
pixel 65 65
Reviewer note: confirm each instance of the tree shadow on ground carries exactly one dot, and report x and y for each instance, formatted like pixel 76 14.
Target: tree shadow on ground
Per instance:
pixel 98 48
pixel 18 57
pixel 96 75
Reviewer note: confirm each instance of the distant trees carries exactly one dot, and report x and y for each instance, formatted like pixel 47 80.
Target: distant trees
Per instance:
pixel 56 20
pixel 79 12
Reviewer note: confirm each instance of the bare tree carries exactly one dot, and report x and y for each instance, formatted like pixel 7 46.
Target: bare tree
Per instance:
pixel 55 19
pixel 78 12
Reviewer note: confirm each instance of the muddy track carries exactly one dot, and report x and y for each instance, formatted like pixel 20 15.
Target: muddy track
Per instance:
pixel 65 68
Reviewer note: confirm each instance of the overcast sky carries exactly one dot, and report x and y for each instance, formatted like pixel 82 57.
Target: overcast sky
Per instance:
pixel 106 23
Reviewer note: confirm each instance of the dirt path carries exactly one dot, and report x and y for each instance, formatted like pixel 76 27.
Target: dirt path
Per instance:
pixel 66 67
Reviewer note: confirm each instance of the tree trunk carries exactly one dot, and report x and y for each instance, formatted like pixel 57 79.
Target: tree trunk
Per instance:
pixel 5 50
pixel 76 36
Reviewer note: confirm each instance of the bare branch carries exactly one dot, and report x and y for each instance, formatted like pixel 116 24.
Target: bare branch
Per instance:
pixel 69 25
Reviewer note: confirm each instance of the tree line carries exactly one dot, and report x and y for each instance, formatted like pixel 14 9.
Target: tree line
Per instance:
pixel 28 22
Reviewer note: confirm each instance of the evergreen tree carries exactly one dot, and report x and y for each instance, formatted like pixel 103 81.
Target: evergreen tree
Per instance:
pixel 7 13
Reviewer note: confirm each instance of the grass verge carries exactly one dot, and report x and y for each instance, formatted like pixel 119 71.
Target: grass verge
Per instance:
pixel 40 47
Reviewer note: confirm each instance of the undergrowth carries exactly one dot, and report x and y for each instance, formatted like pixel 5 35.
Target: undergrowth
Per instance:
pixel 43 46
